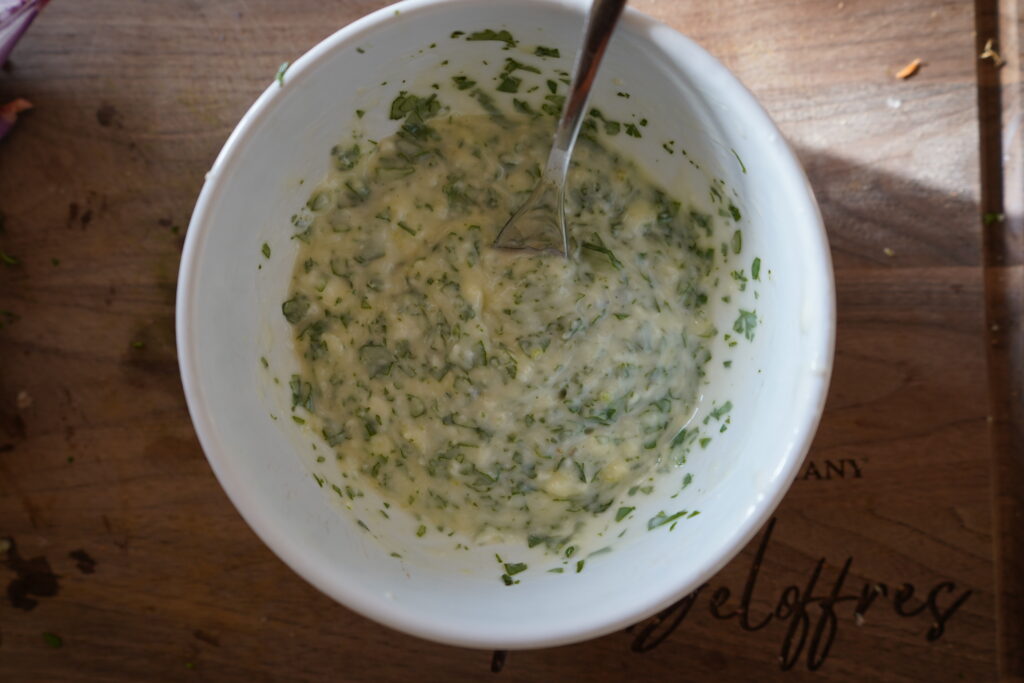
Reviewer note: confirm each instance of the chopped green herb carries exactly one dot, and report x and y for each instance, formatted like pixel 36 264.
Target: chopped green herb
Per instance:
pixel 610 127
pixel 722 410
pixel 622 513
pixel 742 167
pixel 302 393
pixel 266 250
pixel 755 268
pixel 598 246
pixel 295 309
pixel 53 640
pixel 513 65
pixel 335 436
pixel 514 568
pixel 415 110
pixel 344 159
pixel 553 104
pixel 522 107
pixel 662 519
pixel 745 324
pixel 546 51
pixel 421 530
pixel 502 36
pixel 683 437
pixel 509 84
pixel 737 242
pixel 632 131
pixel 486 102
pixel 279 76
pixel 463 82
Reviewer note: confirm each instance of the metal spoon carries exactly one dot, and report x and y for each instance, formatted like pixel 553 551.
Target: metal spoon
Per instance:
pixel 539 224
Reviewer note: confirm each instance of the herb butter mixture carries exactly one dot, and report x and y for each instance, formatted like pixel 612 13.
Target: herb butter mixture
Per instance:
pixel 499 394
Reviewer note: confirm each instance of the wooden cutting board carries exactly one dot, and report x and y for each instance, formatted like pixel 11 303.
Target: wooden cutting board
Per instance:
pixel 124 560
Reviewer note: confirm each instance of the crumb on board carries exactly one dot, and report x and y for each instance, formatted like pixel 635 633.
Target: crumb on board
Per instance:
pixel 909 70
pixel 989 52
pixel 888 252
pixel 24 400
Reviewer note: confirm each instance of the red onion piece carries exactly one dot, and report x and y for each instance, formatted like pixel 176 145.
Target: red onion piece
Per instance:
pixel 9 114
pixel 15 17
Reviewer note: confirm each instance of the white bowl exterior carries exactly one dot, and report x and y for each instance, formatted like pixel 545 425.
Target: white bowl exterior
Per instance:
pixel 228 315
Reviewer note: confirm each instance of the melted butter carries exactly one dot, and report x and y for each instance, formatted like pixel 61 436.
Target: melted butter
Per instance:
pixel 497 394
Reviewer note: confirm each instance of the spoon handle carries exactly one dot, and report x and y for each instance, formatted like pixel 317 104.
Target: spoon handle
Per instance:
pixel 539 224
pixel 600 24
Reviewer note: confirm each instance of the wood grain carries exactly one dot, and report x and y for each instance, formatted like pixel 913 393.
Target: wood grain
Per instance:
pixel 133 102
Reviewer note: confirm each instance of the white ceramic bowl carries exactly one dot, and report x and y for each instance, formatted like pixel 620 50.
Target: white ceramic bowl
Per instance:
pixel 228 316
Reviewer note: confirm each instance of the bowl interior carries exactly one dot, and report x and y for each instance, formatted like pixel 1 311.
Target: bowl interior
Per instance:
pixel 229 317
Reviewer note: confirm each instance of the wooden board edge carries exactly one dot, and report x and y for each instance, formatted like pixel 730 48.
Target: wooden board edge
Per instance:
pixel 1001 122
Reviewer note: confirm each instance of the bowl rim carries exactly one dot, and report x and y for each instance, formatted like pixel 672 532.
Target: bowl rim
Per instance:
pixel 379 608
